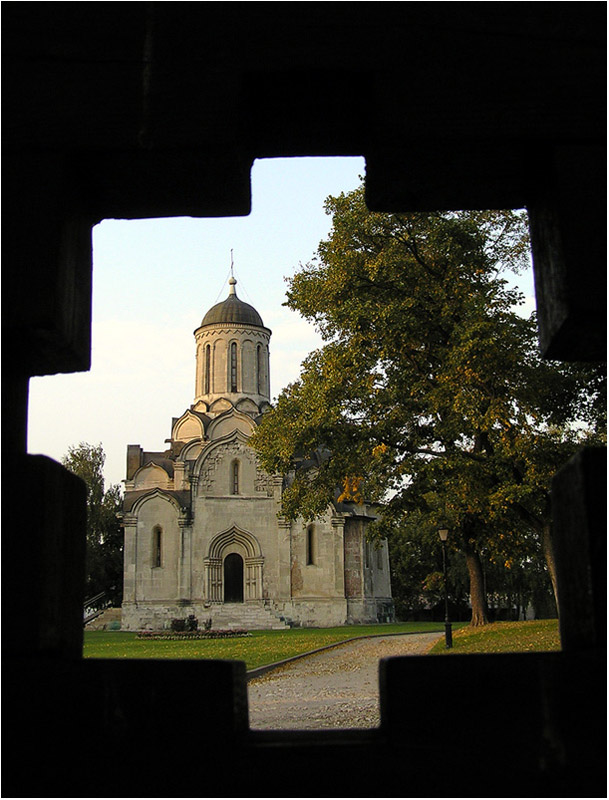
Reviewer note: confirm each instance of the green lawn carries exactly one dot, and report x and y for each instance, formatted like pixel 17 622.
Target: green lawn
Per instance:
pixel 504 637
pixel 267 647
pixel 262 647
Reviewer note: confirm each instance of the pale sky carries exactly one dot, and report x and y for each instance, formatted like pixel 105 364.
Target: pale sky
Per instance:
pixel 153 280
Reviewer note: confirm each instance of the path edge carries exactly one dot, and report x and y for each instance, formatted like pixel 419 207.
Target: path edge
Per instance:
pixel 258 671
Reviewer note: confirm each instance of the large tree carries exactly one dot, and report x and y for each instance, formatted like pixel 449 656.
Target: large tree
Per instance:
pixel 104 553
pixel 429 393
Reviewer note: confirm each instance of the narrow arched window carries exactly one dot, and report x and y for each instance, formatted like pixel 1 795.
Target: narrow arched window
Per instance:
pixel 157 546
pixel 207 368
pixel 234 478
pixel 233 367
pixel 259 368
pixel 311 544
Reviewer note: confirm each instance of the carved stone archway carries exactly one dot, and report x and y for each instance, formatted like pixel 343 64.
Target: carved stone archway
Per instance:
pixel 243 543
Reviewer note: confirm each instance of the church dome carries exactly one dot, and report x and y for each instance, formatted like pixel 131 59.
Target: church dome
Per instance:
pixel 232 310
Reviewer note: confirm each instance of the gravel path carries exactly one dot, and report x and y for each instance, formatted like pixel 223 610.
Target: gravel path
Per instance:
pixel 335 688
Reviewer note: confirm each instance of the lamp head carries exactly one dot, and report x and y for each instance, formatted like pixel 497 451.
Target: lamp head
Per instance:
pixel 443 534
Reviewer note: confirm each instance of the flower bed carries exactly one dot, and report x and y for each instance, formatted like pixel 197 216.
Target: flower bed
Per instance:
pixel 173 635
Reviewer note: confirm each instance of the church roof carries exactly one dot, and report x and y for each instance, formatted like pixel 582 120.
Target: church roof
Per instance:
pixel 160 459
pixel 232 310
pixel 183 497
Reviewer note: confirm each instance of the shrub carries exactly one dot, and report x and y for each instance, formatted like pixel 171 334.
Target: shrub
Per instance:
pixel 176 635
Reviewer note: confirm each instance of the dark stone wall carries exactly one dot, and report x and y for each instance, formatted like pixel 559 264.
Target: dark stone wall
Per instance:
pixel 159 109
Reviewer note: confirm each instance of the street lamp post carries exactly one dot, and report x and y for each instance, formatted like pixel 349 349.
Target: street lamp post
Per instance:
pixel 448 631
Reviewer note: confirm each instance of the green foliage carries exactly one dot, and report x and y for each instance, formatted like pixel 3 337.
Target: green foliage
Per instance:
pixel 417 581
pixel 104 555
pixel 429 394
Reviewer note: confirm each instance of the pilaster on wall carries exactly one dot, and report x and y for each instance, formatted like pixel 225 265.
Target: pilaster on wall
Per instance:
pixel 284 551
pixel 129 557
pixel 185 563
pixel 179 481
pixel 338 530
pixel 354 560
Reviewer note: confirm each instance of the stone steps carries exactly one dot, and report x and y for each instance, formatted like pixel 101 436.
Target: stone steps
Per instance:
pixel 228 616
pixel 243 615
pixel 107 620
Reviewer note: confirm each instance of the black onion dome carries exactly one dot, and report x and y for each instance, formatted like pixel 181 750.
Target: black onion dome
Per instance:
pixel 233 310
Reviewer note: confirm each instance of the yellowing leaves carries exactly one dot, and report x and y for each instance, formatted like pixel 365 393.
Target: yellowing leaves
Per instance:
pixel 351 491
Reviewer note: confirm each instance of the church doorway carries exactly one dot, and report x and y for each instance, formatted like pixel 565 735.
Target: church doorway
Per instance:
pixel 233 578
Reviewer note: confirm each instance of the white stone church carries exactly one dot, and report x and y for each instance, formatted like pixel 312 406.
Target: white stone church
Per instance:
pixel 204 533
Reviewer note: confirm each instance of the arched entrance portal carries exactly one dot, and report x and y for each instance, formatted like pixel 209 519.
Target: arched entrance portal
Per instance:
pixel 233 578
pixel 233 568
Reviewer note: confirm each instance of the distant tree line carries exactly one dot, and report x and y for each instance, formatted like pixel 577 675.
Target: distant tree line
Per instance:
pixel 104 553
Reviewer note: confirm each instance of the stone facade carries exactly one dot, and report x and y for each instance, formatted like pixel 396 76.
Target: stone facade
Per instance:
pixel 204 533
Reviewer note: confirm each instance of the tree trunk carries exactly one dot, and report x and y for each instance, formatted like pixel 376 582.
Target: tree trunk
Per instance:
pixel 548 552
pixel 477 590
